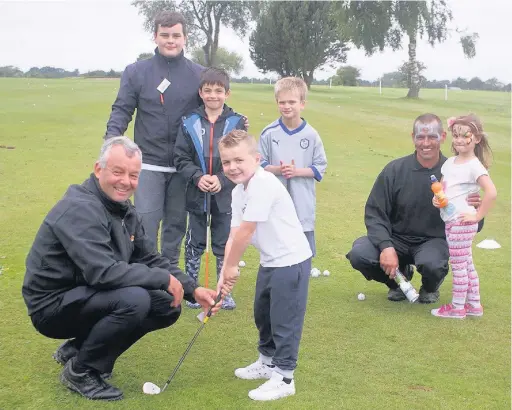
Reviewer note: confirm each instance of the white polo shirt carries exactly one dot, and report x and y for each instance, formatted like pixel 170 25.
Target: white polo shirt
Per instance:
pixel 279 235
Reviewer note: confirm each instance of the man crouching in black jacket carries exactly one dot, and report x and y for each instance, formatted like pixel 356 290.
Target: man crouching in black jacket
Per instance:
pixel 94 277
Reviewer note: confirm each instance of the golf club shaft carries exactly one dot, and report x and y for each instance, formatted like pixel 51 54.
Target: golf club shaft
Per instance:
pixel 208 228
pixel 217 299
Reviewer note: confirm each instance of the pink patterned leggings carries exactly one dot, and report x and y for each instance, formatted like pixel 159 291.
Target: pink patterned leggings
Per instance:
pixel 466 287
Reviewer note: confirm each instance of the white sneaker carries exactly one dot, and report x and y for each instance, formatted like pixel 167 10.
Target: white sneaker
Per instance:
pixel 273 389
pixel 254 371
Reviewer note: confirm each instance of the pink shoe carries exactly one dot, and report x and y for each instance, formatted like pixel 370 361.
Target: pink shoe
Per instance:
pixel 474 311
pixel 449 311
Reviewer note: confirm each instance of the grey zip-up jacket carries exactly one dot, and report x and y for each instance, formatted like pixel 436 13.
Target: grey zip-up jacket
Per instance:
pixel 89 240
pixel 156 124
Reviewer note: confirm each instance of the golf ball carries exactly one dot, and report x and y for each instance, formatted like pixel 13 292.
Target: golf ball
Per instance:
pixel 315 272
pixel 326 273
pixel 241 264
pixel 361 296
pixel 150 388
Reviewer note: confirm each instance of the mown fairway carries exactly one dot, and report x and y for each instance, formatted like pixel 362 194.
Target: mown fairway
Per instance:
pixel 371 354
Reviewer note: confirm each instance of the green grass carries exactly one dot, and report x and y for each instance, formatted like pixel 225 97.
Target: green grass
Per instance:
pixel 371 354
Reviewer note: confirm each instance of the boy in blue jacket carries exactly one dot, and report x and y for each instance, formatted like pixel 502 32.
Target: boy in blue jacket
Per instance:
pixel 208 190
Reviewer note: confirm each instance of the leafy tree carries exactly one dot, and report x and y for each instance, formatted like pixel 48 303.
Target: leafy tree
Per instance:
pixel 144 56
pixel 376 25
pixel 461 83
pixel 296 38
pixel 204 19
pixel 10 71
pixel 347 75
pixel 232 62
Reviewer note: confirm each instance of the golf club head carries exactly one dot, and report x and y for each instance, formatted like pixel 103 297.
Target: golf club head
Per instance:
pixel 150 388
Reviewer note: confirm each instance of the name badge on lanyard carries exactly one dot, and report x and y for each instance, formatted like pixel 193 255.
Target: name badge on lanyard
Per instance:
pixel 163 85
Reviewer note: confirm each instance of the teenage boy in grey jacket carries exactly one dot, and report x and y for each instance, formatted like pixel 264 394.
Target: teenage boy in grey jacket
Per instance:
pixel 162 89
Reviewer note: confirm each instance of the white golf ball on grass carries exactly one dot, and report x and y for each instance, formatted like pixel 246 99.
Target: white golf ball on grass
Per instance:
pixel 315 273
pixel 241 264
pixel 150 388
pixel 361 296
pixel 326 273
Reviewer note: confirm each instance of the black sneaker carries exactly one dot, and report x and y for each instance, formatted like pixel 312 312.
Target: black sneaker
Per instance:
pixel 428 297
pixel 66 351
pixel 106 376
pixel 88 384
pixel 396 295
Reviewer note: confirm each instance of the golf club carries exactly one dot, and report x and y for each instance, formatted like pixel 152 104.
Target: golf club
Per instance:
pixel 152 388
pixel 208 209
pixel 208 229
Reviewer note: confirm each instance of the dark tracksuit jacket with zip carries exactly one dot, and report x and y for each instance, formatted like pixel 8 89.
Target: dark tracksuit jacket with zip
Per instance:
pixel 399 207
pixel 189 154
pixel 156 124
pixel 89 240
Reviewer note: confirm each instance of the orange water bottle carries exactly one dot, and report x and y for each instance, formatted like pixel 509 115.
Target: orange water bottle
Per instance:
pixel 437 189
pixel 448 210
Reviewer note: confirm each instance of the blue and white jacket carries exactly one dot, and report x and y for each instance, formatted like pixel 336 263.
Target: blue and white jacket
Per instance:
pixel 192 155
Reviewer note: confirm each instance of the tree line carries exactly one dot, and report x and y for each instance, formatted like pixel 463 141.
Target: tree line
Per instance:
pixel 54 72
pixel 348 76
pixel 351 76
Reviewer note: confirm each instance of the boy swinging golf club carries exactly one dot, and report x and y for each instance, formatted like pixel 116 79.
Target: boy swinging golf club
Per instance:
pixel 263 214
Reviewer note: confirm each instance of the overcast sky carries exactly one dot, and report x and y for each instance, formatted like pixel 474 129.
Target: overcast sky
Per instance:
pixel 107 34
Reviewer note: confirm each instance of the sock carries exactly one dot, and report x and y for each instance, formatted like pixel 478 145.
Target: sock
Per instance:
pixel 266 360
pixel 287 374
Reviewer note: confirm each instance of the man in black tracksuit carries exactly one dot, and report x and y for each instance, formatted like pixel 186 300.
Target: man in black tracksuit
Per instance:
pixel 403 226
pixel 93 276
pixel 162 89
pixel 197 138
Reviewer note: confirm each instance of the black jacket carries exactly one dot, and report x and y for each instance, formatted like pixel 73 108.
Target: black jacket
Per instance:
pixel 188 163
pixel 88 239
pixel 400 204
pixel 156 125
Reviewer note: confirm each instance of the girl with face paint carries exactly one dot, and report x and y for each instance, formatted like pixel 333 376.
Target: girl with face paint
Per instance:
pixel 464 173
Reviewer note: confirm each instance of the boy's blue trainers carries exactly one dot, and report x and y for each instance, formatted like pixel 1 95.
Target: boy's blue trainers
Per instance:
pixel 228 303
pixel 193 305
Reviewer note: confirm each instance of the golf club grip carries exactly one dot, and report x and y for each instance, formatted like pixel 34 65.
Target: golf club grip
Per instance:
pixel 217 300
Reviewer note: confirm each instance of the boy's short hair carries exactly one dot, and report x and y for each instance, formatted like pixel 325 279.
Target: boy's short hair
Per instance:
pixel 215 76
pixel 235 138
pixel 291 84
pixel 169 19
